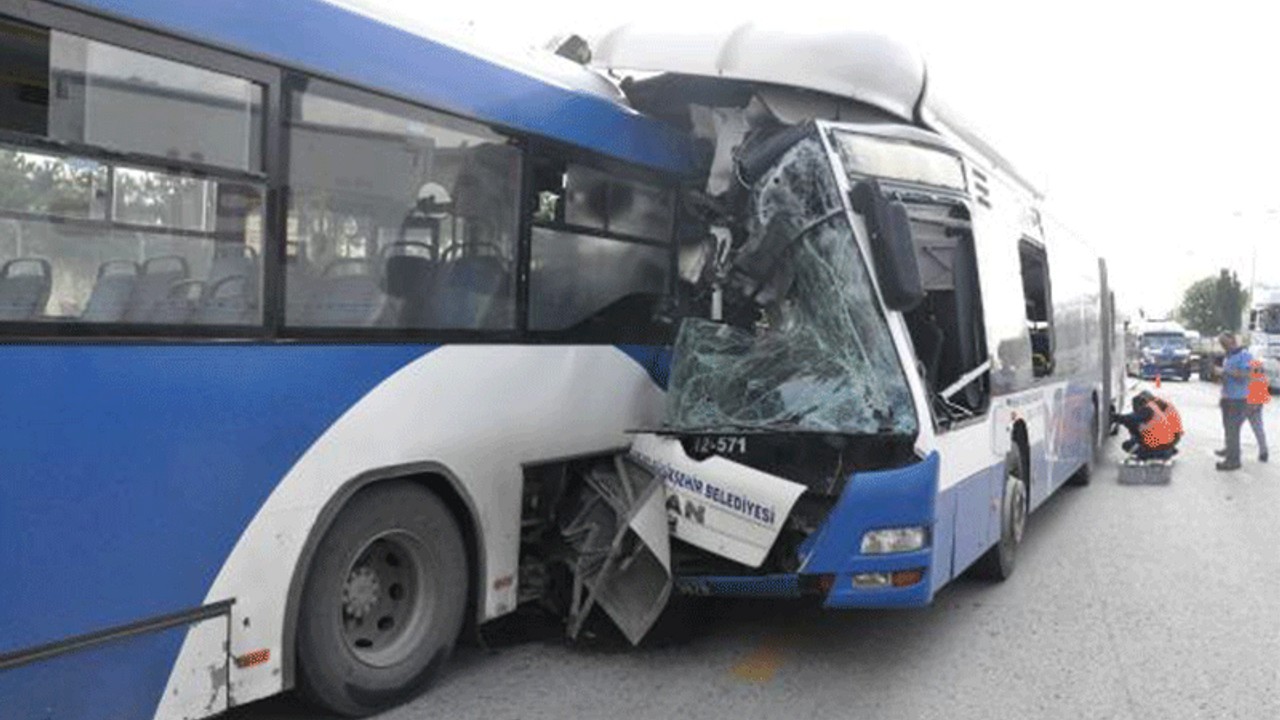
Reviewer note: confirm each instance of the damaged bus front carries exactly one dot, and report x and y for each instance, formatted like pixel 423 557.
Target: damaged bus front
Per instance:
pixel 789 448
pixel 888 353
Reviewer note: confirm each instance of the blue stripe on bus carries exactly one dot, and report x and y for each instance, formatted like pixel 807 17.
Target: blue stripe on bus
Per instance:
pixel 331 40
pixel 120 680
pixel 655 359
pixel 130 472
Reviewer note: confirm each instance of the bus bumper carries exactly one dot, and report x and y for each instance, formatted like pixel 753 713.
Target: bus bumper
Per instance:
pixel 831 560
pixel 1169 368
pixel 898 498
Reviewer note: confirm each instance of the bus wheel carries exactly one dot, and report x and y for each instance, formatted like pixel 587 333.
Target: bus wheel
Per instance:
pixel 383 602
pixel 998 562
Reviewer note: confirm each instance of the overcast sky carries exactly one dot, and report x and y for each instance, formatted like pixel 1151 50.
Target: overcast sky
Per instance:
pixel 1151 127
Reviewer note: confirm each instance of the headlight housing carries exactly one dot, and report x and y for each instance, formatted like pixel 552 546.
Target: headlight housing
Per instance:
pixel 894 540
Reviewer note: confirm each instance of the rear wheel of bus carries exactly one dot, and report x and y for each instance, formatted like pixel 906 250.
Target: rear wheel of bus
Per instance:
pixel 384 601
pixel 998 562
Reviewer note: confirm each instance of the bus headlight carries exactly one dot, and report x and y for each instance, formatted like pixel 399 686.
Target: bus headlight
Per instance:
pixel 894 540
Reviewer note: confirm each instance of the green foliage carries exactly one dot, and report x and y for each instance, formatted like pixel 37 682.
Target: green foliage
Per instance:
pixel 1214 304
pixel 40 184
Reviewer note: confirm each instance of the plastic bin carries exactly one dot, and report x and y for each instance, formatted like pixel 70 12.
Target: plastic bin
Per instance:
pixel 1146 472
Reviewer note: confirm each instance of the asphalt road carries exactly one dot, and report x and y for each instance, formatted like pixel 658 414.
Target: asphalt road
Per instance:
pixel 1142 602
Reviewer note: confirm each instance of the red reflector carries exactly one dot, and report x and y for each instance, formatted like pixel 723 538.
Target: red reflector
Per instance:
pixel 825 583
pixel 257 657
pixel 905 578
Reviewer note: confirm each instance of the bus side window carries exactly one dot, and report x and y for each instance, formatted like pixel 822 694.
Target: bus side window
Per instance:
pixel 407 217
pixel 1035 289
pixel 601 253
pixel 168 236
pixel 948 329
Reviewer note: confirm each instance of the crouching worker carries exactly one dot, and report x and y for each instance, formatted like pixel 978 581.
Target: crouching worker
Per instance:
pixel 1154 428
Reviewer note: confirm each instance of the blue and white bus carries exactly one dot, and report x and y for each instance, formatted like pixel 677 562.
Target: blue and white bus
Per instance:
pixel 901 353
pixel 307 320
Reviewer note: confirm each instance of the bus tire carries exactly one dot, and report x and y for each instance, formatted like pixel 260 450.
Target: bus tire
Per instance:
pixel 998 562
pixel 383 602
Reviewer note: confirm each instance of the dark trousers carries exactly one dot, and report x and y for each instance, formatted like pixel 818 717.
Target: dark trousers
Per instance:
pixel 1234 413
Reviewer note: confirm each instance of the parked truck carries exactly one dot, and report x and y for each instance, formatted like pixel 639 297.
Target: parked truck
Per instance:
pixel 1264 333
pixel 1160 348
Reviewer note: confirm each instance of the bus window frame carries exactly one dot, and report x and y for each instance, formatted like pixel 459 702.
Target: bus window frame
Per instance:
pixel 166 46
pixel 1041 252
pixel 553 153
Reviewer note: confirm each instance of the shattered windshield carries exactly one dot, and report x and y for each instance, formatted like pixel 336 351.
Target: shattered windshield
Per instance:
pixel 821 357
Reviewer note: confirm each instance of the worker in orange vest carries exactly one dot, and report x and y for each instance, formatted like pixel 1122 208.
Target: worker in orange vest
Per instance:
pixel 1259 390
pixel 1154 427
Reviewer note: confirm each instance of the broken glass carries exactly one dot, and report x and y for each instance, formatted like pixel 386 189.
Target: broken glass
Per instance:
pixel 821 357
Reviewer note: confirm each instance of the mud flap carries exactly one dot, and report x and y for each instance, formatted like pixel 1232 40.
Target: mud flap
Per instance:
pixel 622 549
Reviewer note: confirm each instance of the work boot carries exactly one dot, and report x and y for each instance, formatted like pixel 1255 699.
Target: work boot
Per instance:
pixel 1263 456
pixel 1225 465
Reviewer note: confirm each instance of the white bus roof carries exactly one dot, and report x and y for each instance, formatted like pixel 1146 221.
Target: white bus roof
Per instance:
pixel 866 66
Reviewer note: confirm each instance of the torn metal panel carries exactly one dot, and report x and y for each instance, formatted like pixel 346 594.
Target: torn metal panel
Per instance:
pixel 621 549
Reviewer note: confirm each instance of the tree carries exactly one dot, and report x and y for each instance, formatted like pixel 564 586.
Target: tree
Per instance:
pixel 1214 304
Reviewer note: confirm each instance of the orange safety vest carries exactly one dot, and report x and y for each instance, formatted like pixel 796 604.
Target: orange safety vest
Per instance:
pixel 1259 393
pixel 1164 428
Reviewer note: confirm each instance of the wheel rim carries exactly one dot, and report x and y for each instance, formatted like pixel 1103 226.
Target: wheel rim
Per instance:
pixel 388 598
pixel 1018 511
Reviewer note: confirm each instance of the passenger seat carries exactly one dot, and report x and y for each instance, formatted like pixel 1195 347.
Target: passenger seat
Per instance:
pixel 24 288
pixel 472 292
pixel 111 292
pixel 234 260
pixel 227 302
pixel 158 276
pixel 345 295
pixel 231 293
pixel 408 273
